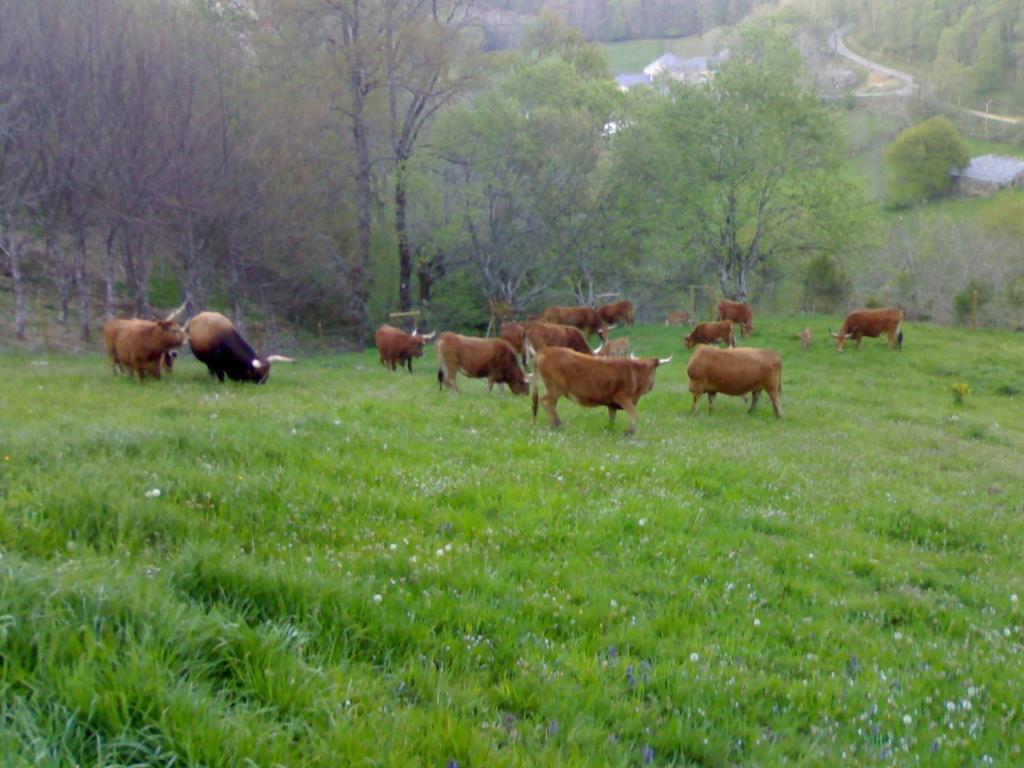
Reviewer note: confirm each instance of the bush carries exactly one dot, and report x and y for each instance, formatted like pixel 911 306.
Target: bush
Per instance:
pixel 963 302
pixel 920 160
pixel 826 284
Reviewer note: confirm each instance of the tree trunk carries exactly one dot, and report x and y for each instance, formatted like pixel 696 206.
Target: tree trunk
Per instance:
pixel 81 279
pixel 109 293
pixel 235 284
pixel 12 247
pixel 136 267
pixel 195 293
pixel 360 290
pixel 404 251
pixel 61 277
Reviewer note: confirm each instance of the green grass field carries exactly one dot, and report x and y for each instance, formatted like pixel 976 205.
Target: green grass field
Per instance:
pixel 348 567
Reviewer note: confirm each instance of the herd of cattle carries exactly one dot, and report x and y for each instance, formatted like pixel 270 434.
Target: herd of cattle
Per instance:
pixel 555 342
pixel 610 376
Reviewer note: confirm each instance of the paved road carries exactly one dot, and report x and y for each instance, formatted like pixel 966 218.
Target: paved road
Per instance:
pixel 910 85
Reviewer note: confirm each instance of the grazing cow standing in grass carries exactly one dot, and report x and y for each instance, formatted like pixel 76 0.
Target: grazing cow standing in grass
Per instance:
pixel 491 359
pixel 739 313
pixel 615 383
pixel 681 317
pixel 872 323
pixel 585 318
pixel 614 348
pixel 617 312
pixel 711 333
pixel 216 342
pixel 397 348
pixel 805 338
pixel 736 372
pixel 142 346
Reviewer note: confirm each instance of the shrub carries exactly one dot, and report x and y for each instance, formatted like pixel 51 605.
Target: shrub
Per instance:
pixel 826 284
pixel 964 301
pixel 919 162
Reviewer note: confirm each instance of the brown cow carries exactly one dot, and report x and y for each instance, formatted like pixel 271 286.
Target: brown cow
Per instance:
pixel 682 317
pixel 544 335
pixel 617 312
pixel 613 382
pixel 491 359
pixel 739 313
pixel 141 346
pixel 585 318
pixel 872 323
pixel 515 334
pixel 397 348
pixel 710 333
pixel 614 348
pixel 735 372
pixel 805 338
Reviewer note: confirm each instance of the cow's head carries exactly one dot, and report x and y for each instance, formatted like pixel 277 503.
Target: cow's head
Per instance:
pixel 646 366
pixel 840 339
pixel 258 370
pixel 747 328
pixel 420 340
pixel 690 341
pixel 171 334
pixel 518 382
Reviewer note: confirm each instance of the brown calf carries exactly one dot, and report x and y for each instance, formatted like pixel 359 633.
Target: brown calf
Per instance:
pixel 614 348
pixel 805 338
pixel 739 313
pixel 681 317
pixel 872 323
pixel 615 383
pixel 491 359
pixel 711 333
pixel 736 372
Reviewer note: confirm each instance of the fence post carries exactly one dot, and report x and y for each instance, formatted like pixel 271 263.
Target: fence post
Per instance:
pixel 974 310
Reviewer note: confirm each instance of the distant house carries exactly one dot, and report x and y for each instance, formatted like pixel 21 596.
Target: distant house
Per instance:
pixel 625 82
pixel 665 63
pixel 987 174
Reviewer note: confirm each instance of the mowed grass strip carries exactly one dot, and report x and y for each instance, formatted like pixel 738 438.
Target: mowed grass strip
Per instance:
pixel 351 567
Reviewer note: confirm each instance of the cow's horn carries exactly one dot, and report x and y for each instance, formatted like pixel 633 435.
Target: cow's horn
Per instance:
pixel 280 359
pixel 428 336
pixel 177 312
pixel 528 377
pixel 257 364
pixel 599 348
pixel 665 360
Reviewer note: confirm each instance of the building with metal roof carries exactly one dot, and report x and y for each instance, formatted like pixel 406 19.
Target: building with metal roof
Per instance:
pixel 987 174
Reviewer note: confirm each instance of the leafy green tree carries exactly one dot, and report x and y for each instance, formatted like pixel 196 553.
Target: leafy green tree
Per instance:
pixel 990 63
pixel 975 295
pixel 741 173
pixel 919 162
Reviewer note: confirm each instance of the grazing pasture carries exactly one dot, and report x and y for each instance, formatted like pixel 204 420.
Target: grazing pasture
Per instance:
pixel 348 567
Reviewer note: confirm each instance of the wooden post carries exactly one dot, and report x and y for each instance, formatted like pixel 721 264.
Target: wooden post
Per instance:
pixel 320 332
pixel 693 301
pixel 974 310
pixel 711 301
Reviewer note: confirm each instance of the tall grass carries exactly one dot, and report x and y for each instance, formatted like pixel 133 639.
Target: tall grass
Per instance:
pixel 350 567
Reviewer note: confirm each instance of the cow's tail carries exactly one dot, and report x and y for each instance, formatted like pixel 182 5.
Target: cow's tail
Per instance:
pixel 899 335
pixel 529 351
pixel 534 394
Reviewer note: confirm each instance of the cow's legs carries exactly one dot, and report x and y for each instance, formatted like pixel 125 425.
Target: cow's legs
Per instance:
pixel 611 416
pixel 711 401
pixel 776 397
pixel 696 399
pixel 549 406
pixel 858 339
pixel 408 362
pixel 630 408
pixel 754 397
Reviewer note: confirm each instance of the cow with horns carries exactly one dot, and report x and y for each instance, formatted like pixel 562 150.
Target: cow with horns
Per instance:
pixel 617 312
pixel 612 382
pixel 143 347
pixel 216 342
pixel 491 359
pixel 872 323
pixel 737 312
pixel 398 348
